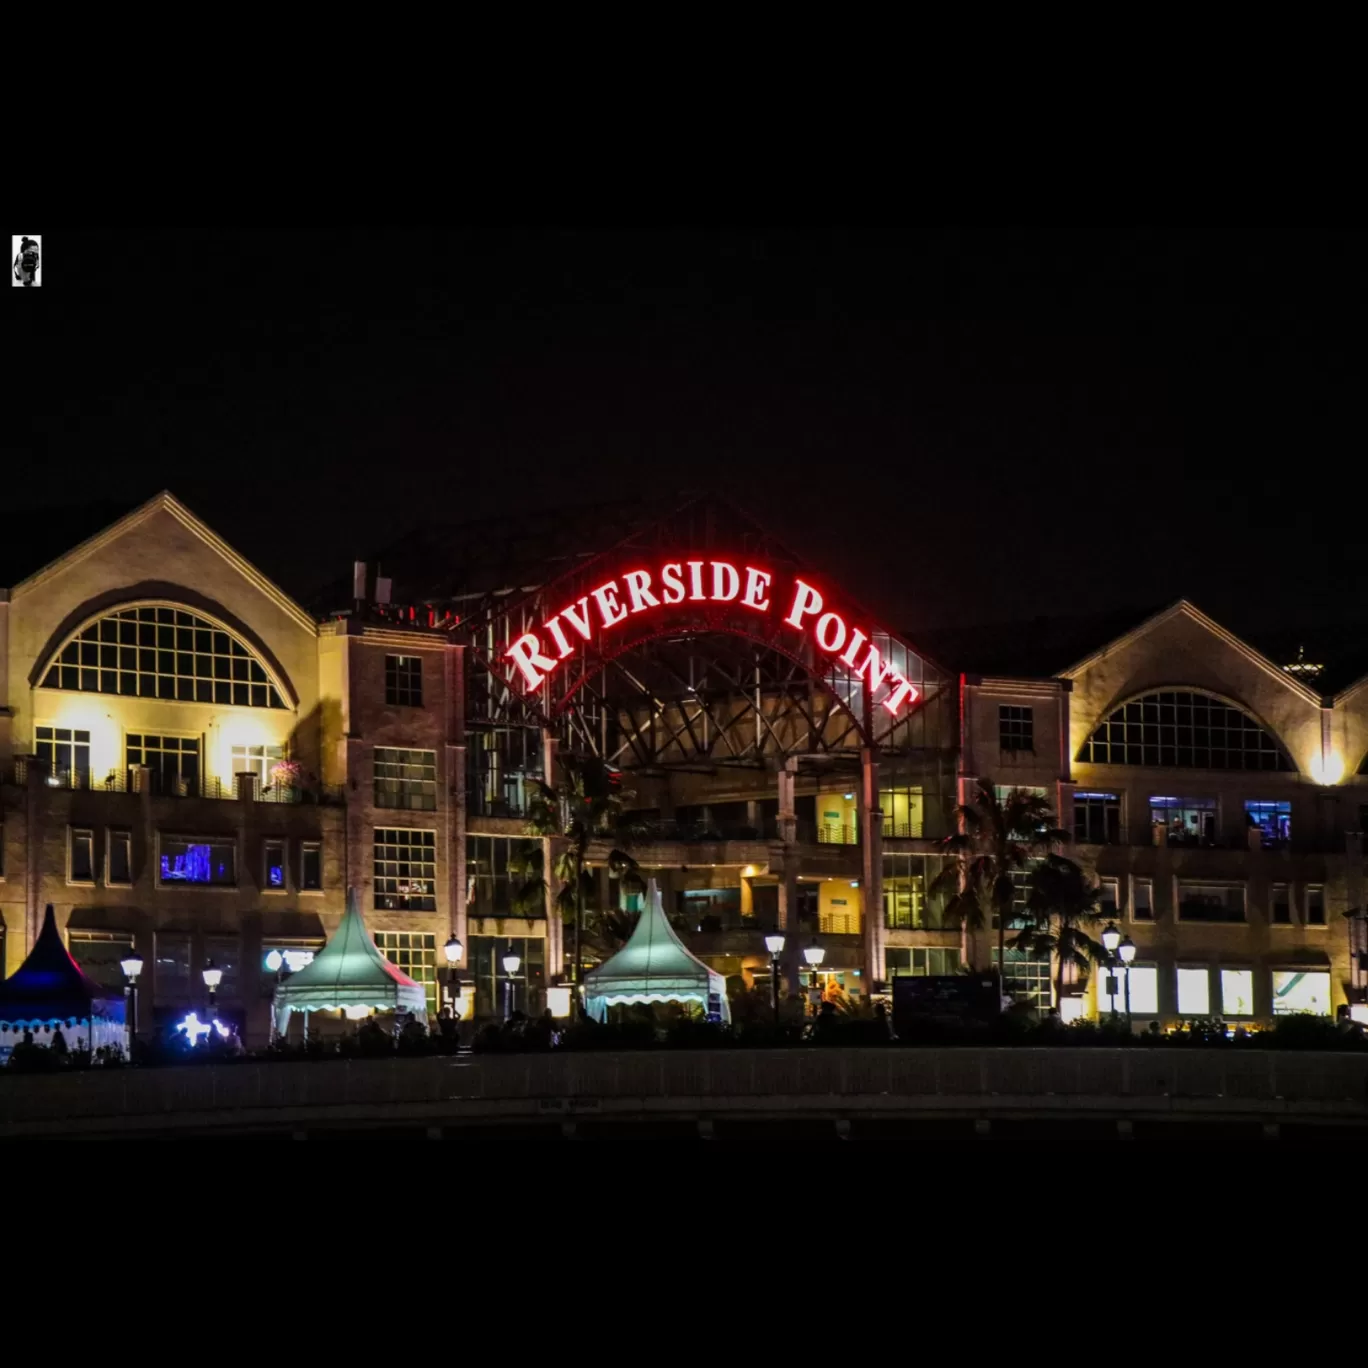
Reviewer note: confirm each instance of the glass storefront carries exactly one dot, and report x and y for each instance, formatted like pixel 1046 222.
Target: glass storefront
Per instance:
pixel 492 981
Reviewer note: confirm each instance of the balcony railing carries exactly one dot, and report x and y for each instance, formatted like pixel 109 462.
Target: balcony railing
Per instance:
pixel 670 829
pixel 168 785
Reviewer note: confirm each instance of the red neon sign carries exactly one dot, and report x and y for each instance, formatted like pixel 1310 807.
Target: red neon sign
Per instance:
pixel 537 655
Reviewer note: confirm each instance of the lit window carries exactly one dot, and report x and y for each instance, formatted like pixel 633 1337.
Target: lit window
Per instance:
pixel 1211 902
pixel 405 779
pixel 81 868
pixel 1273 818
pixel 1187 821
pixel 497 867
pixel 173 760
pixel 1097 819
pixel 66 753
pixel 1280 903
pixel 1299 990
pixel 919 962
pixel 311 866
pixel 404 681
pixel 1194 992
pixel 275 865
pixel 414 952
pixel 1144 990
pixel 1186 730
pixel 159 652
pixel 1016 729
pixel 405 869
pixel 1315 906
pixel 1237 992
pixel 120 857
pixel 258 760
pixel 495 991
pixel 194 861
pixel 1027 980
pixel 1144 900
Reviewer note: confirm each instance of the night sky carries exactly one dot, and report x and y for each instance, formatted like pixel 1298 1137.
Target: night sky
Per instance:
pixel 964 427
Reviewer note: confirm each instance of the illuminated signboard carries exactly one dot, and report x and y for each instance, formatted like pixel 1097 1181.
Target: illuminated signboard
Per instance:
pixel 688 583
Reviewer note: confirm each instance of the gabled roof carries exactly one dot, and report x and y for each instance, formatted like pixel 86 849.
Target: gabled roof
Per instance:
pixel 50 985
pixel 168 503
pixel 349 971
pixel 1189 610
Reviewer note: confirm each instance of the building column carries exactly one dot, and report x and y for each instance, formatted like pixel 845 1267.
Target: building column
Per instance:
pixel 33 837
pixel 551 848
pixel 871 882
pixel 788 817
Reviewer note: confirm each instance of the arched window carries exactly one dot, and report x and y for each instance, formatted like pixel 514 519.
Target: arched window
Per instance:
pixel 160 651
pixel 1187 730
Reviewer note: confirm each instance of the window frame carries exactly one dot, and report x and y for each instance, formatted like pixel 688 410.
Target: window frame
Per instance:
pixel 307 848
pixel 397 684
pixel 1226 885
pixel 400 903
pixel 1138 881
pixel 113 835
pixel 72 833
pixel 266 885
pixel 394 789
pixel 1102 804
pixel 197 839
pixel 1178 971
pixel 1307 891
pixel 1016 729
pixel 1288 902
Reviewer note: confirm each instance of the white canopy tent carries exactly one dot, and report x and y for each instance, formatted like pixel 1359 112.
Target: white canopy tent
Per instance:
pixel 654 966
pixel 349 971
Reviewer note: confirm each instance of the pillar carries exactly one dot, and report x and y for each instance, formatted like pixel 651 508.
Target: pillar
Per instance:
pixel 457 815
pixel 788 817
pixel 871 881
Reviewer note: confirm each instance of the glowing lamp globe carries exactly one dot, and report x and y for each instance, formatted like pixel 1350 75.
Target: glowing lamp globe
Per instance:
pixel 1126 950
pixel 511 963
pixel 775 945
pixel 452 950
pixel 274 960
pixel 132 965
pixel 814 954
pixel 1111 938
pixel 212 976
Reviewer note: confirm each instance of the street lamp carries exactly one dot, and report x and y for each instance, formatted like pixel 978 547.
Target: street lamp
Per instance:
pixel 212 978
pixel 512 962
pixel 452 950
pixel 815 954
pixel 1111 938
pixel 774 943
pixel 132 965
pixel 1127 952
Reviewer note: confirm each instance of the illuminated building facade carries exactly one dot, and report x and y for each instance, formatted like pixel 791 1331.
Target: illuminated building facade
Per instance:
pixel 192 762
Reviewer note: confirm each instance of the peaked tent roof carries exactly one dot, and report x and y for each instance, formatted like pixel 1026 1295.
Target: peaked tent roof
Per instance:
pixel 349 971
pixel 653 966
pixel 50 985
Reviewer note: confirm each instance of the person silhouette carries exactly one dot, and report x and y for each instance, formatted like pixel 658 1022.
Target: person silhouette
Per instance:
pixel 26 262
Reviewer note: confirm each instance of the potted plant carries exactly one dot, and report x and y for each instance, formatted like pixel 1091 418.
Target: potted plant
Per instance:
pixel 285 779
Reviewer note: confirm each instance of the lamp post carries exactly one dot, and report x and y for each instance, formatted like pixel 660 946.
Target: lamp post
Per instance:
pixel 774 943
pixel 132 965
pixel 1111 938
pixel 512 962
pixel 1127 952
pixel 213 976
pixel 453 950
pixel 815 954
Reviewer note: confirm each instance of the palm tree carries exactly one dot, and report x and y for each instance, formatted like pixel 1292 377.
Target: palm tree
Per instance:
pixel 997 837
pixel 1063 907
pixel 584 805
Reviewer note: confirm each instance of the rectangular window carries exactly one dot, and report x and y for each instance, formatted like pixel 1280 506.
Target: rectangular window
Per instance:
pixel 907 906
pixel 99 955
pixel 1280 905
pixel 1016 728
pixel 226 956
pixel 405 869
pixel 258 760
pixel 1211 902
pixel 1315 905
pixel 120 857
pixel 904 811
pixel 197 861
pixel 404 681
pixel 311 866
pixel 174 761
pixel 275 866
pixel 415 952
pixel 81 868
pixel 1144 990
pixel 1026 979
pixel 1188 821
pixel 495 990
pixel 499 870
pixel 1274 819
pixel 1110 904
pixel 405 779
pixel 1194 992
pixel 933 961
pixel 1143 904
pixel 1237 992
pixel 1097 819
pixel 66 752
pixel 1299 990
pixel 172 969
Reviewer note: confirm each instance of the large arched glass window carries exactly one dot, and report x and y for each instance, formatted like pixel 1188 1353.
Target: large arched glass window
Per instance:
pixel 160 651
pixel 1187 730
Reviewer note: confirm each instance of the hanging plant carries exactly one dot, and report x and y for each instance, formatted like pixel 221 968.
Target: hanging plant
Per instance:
pixel 285 772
